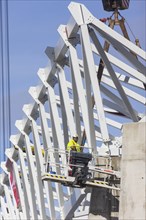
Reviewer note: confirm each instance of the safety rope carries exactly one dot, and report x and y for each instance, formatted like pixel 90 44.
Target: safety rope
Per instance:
pixel 130 29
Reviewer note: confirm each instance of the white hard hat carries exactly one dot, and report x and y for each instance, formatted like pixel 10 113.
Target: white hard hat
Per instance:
pixel 75 136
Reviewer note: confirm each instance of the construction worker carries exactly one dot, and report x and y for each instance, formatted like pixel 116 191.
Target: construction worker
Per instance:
pixel 32 150
pixel 73 144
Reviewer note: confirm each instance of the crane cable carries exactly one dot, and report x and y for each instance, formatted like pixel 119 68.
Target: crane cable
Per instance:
pixel 5 115
pixel 136 39
pixel 130 29
pixel 2 86
pixel 8 72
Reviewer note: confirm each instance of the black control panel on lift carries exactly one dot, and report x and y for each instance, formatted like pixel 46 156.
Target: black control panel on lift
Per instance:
pixel 80 157
pixel 81 170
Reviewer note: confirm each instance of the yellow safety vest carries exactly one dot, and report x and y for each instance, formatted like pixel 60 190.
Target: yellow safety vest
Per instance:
pixel 72 145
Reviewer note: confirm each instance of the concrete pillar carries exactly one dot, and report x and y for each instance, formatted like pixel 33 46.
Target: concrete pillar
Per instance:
pixel 104 203
pixel 98 204
pixel 133 172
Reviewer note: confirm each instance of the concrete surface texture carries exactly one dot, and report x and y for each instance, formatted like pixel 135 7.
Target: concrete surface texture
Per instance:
pixel 104 204
pixel 131 205
pixel 133 172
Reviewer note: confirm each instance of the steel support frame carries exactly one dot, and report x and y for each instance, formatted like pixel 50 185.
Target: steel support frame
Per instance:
pixel 59 189
pixel 16 175
pixel 58 142
pixel 33 175
pixel 28 187
pixel 79 117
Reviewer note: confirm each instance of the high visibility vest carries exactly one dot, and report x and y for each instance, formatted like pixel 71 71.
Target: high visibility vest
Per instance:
pixel 72 145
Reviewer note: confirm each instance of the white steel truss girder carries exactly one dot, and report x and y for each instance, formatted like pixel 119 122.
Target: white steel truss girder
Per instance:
pixel 126 79
pixel 130 93
pixel 26 184
pixel 76 74
pixel 4 212
pixel 123 66
pixel 23 201
pixel 65 96
pixel 138 81
pixel 88 18
pixel 65 118
pixel 127 91
pixel 9 201
pixel 24 205
pixel 35 187
pixel 80 13
pixel 94 81
pixel 117 37
pixel 76 108
pixel 95 115
pixel 76 79
pixel 55 120
pixel 112 96
pixel 113 76
pixel 61 108
pixel 117 45
pixel 39 166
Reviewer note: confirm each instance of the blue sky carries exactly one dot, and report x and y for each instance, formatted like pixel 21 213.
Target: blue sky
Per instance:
pixel 33 26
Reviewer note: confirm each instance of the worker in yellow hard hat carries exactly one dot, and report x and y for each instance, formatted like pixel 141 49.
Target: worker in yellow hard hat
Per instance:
pixel 73 144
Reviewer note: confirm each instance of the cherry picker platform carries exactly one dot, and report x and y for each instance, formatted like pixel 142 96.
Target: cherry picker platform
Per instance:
pixel 82 174
pixel 70 181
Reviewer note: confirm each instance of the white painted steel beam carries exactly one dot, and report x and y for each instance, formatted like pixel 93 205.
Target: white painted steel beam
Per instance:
pixel 35 188
pixel 62 108
pixel 5 214
pixel 113 76
pixel 65 94
pixel 9 202
pixel 95 84
pixel 26 186
pixel 77 76
pixel 130 57
pixel 122 65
